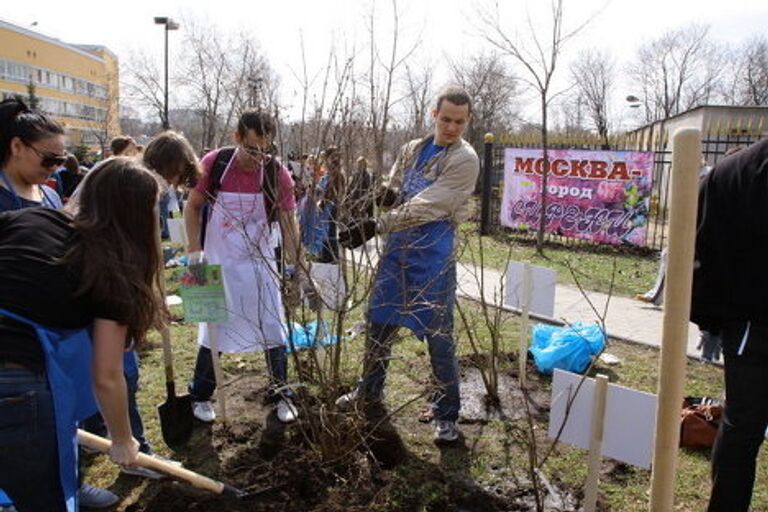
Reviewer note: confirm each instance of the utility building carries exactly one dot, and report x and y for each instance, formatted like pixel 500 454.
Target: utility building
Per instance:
pixel 76 84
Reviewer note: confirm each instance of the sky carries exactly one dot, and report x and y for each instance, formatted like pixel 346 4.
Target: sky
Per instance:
pixel 446 29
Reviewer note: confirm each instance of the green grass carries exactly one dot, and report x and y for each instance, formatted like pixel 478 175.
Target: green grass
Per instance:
pixel 592 265
pixel 491 458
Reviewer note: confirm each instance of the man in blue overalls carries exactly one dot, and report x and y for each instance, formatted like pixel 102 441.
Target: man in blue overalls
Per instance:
pixel 428 189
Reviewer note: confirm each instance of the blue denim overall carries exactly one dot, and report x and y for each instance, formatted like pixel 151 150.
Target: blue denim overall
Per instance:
pixel 416 281
pixel 415 287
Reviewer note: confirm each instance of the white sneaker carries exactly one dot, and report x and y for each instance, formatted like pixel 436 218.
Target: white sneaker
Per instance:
pixel 203 411
pixel 348 400
pixel 286 410
pixel 446 431
pixel 94 497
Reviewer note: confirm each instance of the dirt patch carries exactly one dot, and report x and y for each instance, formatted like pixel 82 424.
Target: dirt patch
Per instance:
pixel 475 404
pixel 280 470
pixel 292 480
pixel 476 408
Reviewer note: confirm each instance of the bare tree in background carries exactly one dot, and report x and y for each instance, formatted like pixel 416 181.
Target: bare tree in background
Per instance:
pixel 335 115
pixel 418 92
pixel 752 78
pixel 223 76
pixel 381 79
pixel 539 58
pixel 217 75
pixel 569 116
pixel 306 82
pixel 593 74
pixel 106 124
pixel 142 83
pixel 493 90
pixel 204 69
pixel 678 71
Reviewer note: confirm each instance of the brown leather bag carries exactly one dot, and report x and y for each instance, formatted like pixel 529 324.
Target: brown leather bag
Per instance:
pixel 700 419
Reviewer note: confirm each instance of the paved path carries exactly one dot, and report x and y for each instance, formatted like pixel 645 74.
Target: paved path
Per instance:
pixel 627 319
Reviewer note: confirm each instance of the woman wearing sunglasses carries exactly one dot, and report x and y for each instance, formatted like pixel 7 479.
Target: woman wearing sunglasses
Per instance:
pixel 31 149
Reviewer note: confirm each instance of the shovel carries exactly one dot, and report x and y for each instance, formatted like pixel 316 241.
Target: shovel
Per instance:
pixel 176 420
pixel 199 481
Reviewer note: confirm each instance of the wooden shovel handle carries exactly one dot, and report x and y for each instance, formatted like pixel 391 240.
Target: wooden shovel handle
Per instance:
pixel 165 330
pixel 102 445
pixel 165 334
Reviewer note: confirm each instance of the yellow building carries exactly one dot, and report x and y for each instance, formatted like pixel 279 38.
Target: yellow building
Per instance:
pixel 76 84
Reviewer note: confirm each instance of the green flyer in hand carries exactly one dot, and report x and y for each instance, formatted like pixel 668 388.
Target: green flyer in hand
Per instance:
pixel 202 290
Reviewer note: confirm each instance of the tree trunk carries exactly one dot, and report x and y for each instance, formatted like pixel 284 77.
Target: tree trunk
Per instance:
pixel 544 175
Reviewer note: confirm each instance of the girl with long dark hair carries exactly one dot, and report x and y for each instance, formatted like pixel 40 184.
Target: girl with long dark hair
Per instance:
pixel 74 290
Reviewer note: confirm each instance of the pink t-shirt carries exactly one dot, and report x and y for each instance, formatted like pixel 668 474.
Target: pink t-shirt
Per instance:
pixel 241 181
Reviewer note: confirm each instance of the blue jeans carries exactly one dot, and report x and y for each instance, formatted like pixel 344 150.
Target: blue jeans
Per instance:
pixel 29 465
pixel 446 400
pixel 656 294
pixel 204 381
pixel 163 204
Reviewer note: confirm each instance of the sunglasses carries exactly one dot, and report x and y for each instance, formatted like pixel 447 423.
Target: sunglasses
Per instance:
pixel 48 159
pixel 253 150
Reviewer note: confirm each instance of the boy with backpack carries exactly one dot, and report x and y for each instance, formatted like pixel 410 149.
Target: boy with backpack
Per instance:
pixel 234 212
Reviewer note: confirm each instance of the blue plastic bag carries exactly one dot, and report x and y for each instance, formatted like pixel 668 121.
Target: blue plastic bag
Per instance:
pixel 569 348
pixel 307 336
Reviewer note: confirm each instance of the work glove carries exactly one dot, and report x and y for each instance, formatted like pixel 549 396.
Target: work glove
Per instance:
pixel 357 234
pixel 298 285
pixel 386 197
pixel 291 290
pixel 309 291
pixel 196 263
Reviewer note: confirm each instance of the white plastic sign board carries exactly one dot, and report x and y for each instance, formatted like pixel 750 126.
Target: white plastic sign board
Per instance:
pixel 543 290
pixel 177 231
pixel 330 284
pixel 630 418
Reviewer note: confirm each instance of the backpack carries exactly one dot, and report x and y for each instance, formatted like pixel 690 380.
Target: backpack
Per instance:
pixel 699 422
pixel 269 187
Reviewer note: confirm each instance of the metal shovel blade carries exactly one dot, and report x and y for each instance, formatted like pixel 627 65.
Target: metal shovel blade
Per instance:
pixel 176 419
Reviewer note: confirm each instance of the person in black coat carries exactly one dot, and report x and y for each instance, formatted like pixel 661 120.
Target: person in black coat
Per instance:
pixel 730 296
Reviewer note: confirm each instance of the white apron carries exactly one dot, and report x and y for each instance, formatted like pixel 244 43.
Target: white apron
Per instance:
pixel 239 239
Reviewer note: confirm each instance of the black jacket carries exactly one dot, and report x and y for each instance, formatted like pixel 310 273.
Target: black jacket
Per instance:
pixel 730 279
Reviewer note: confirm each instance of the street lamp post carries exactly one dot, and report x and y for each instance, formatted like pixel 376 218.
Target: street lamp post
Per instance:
pixel 169 25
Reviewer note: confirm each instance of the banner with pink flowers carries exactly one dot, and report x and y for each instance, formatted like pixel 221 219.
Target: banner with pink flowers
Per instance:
pixel 601 196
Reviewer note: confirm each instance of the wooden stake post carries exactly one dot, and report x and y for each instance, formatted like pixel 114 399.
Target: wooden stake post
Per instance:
pixel 217 373
pixel 686 158
pixel 525 309
pixel 595 444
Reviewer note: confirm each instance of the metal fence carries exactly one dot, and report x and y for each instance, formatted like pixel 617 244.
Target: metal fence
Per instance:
pixel 715 144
